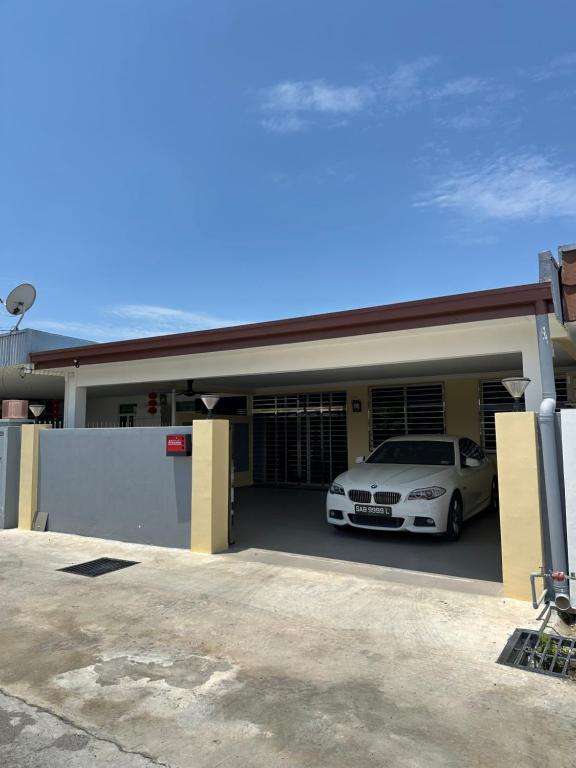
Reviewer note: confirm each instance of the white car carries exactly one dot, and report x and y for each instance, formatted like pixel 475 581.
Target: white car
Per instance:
pixel 418 483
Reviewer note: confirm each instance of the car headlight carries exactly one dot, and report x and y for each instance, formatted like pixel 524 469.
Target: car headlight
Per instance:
pixel 427 493
pixel 337 489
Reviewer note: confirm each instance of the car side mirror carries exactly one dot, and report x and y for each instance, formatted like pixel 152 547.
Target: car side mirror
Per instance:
pixel 470 462
pixel 360 459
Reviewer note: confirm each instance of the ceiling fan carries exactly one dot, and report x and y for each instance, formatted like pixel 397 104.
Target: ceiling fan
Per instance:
pixel 189 391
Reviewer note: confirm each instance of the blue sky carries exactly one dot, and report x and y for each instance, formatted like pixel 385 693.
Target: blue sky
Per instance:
pixel 169 165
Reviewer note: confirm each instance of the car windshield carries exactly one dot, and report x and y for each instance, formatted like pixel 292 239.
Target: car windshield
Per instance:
pixel 431 452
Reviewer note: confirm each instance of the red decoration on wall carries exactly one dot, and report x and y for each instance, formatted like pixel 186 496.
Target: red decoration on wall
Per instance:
pixel 152 402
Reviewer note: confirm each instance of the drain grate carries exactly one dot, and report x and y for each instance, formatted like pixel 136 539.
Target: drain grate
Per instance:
pixel 98 567
pixel 536 652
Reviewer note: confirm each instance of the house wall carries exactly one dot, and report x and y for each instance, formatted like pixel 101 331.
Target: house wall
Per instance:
pixel 105 411
pixel 461 402
pixel 462 399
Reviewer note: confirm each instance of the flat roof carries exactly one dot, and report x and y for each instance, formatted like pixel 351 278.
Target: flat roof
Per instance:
pixel 516 301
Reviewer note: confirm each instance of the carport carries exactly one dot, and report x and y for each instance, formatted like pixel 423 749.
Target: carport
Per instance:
pixel 294 521
pixel 324 389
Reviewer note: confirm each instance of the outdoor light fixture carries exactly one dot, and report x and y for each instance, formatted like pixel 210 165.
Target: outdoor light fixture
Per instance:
pixel 516 386
pixel 210 401
pixel 36 410
pixel 25 370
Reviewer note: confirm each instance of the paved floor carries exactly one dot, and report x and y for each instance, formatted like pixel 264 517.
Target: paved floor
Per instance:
pixel 193 661
pixel 292 520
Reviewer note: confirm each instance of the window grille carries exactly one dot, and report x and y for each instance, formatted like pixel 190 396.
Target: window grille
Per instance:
pixel 494 398
pixel 406 410
pixel 299 438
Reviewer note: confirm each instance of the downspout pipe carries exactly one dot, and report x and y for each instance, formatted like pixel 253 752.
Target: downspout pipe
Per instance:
pixel 550 458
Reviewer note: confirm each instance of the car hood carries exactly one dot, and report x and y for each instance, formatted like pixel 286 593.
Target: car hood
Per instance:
pixel 389 475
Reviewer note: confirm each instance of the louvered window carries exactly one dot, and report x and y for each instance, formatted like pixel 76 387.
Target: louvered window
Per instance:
pixel 494 398
pixel 413 409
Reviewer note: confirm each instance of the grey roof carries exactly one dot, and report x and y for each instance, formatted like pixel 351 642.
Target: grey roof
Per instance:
pixel 15 348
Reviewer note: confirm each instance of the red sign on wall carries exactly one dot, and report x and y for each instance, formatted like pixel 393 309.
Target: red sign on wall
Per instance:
pixel 178 445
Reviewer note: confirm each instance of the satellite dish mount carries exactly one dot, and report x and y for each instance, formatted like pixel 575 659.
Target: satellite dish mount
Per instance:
pixel 19 301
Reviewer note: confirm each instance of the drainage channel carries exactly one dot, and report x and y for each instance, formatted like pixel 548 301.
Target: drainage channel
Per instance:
pixel 546 654
pixel 98 567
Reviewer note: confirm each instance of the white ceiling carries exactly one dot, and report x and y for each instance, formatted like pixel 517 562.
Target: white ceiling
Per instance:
pixel 472 366
pixel 43 386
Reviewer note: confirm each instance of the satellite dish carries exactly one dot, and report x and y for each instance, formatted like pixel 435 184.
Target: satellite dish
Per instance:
pixel 19 301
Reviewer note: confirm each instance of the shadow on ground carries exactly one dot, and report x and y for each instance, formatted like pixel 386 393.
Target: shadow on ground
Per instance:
pixel 294 520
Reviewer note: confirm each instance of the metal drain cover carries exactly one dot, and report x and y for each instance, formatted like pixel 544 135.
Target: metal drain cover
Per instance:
pixel 99 567
pixel 545 654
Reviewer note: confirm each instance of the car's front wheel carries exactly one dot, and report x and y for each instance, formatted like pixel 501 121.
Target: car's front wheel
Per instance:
pixel 455 519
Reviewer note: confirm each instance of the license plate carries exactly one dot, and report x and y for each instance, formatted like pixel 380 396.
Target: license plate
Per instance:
pixel 368 509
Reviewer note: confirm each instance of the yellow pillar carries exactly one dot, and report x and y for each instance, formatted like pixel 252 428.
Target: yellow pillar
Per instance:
pixel 210 485
pixel 520 516
pixel 357 424
pixel 29 457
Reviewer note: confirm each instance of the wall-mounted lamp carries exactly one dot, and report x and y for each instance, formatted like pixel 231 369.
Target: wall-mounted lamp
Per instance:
pixel 516 386
pixel 26 370
pixel 76 362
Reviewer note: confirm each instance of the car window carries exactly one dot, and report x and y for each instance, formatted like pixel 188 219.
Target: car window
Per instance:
pixel 425 452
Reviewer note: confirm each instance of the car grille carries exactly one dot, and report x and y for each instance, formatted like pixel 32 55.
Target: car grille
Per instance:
pixel 377 521
pixel 387 497
pixel 360 497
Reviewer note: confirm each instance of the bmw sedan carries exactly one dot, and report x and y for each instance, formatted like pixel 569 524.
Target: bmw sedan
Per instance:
pixel 420 483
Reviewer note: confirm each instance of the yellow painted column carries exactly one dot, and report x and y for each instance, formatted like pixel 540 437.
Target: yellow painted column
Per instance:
pixel 29 460
pixel 210 485
pixel 520 515
pixel 358 427
pixel 462 408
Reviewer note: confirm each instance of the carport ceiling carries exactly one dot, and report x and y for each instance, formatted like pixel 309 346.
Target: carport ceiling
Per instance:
pixel 472 366
pixel 429 369
pixel 36 385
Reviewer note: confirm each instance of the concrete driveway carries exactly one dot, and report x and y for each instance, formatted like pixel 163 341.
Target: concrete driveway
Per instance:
pixel 294 520
pixel 192 661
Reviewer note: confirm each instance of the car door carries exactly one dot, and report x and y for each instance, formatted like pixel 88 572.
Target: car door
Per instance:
pixel 473 478
pixel 486 478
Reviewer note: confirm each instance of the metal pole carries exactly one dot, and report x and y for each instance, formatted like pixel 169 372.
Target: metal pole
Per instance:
pixel 550 458
pixel 173 409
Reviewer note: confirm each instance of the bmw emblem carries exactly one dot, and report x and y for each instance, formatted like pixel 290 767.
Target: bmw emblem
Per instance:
pixel 374 485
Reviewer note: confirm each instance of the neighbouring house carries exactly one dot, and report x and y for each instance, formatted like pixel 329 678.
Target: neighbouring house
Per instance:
pixel 16 379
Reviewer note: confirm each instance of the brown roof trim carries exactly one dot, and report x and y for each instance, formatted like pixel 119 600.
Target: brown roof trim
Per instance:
pixel 460 308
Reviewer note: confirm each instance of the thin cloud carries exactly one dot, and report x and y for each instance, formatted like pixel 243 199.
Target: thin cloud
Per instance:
pixel 292 106
pixel 316 96
pixel 130 321
pixel 527 186
pixel 560 66
pixel 462 86
pixel 284 124
pixel 404 87
pixel 478 117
